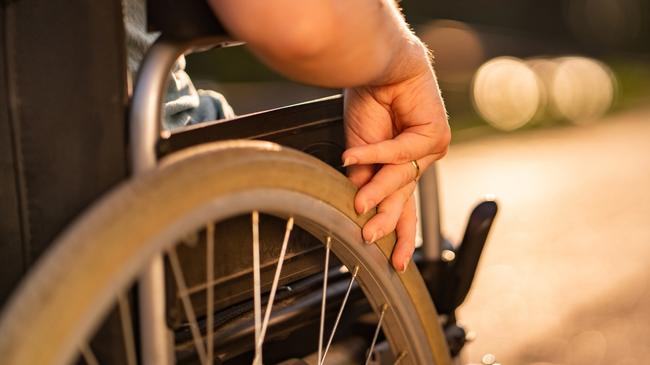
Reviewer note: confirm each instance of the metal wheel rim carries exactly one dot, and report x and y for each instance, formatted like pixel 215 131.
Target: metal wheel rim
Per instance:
pixel 314 215
pixel 151 243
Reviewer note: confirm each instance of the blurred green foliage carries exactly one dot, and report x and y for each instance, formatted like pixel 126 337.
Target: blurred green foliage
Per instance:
pixel 231 64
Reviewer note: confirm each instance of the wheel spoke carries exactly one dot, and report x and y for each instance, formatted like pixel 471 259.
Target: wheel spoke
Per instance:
pixel 257 290
pixel 209 232
pixel 88 355
pixel 276 279
pixel 324 299
pixel 127 328
pixel 374 338
pixel 401 357
pixel 338 317
pixel 187 304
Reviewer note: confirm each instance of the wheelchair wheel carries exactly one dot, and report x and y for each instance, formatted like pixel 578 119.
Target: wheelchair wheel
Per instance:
pixel 56 311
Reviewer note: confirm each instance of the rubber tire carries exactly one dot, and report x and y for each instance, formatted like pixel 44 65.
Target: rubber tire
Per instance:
pixel 78 278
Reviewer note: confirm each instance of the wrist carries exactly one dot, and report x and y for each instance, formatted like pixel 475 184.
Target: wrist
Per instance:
pixel 411 59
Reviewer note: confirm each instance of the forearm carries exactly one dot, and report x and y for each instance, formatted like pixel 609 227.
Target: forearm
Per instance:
pixel 326 42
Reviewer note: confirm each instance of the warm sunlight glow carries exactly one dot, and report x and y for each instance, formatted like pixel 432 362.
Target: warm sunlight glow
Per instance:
pixel 506 93
pixel 582 89
pixel 457 50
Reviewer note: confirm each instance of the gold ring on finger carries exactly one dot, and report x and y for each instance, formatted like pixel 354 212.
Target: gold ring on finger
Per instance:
pixel 417 169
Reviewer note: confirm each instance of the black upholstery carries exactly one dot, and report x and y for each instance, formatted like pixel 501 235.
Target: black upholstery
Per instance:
pixel 62 129
pixel 184 19
pixel 12 263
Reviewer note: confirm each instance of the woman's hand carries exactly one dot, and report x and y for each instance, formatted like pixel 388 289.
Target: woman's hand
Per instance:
pixel 394 113
pixel 387 127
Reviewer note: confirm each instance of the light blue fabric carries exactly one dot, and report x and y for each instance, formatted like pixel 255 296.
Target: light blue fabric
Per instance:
pixel 184 104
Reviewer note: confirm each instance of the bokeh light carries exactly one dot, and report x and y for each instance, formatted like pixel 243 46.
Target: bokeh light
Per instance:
pixel 506 93
pixel 582 89
pixel 545 69
pixel 457 50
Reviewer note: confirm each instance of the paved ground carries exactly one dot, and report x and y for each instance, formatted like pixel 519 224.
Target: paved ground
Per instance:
pixel 566 275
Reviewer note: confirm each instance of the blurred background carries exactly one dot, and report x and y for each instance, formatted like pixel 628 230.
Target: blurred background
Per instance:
pixel 549 105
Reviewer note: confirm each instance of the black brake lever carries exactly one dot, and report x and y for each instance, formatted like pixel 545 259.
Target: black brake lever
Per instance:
pixel 468 253
pixel 450 279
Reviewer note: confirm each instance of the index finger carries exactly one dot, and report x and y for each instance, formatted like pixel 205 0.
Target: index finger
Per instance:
pixel 406 147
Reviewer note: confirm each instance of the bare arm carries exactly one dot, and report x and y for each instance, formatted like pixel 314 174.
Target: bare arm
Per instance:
pixel 330 43
pixel 395 120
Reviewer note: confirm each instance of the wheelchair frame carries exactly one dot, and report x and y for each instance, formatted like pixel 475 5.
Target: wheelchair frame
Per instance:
pixel 448 280
pixel 145 142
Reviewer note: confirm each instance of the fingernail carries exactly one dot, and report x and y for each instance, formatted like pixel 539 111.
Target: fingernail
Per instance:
pixel 363 209
pixel 366 207
pixel 350 161
pixel 372 238
pixel 405 265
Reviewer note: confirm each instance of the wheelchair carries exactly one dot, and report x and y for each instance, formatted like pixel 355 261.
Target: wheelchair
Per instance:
pixel 229 242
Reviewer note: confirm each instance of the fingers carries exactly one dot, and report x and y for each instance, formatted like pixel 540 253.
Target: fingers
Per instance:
pixel 387 180
pixel 396 212
pixel 405 229
pixel 388 213
pixel 407 146
pixel 360 174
